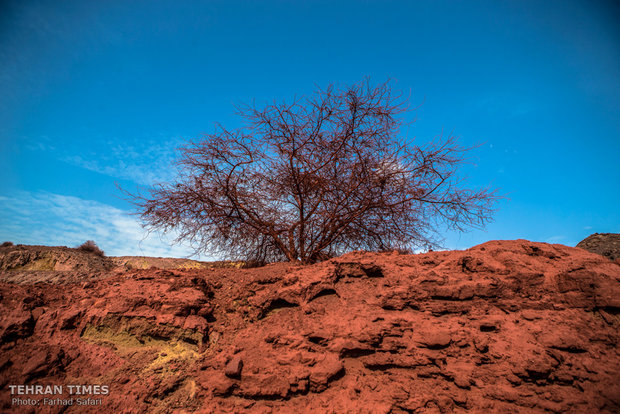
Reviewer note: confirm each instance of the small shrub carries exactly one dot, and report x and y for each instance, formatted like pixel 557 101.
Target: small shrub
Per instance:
pixel 90 246
pixel 251 264
pixel 404 251
pixel 6 244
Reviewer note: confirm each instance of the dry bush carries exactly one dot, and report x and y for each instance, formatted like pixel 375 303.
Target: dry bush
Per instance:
pixel 6 244
pixel 90 246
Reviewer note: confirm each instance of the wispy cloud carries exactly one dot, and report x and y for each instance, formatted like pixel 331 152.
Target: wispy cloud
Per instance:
pixel 555 239
pixel 60 220
pixel 145 163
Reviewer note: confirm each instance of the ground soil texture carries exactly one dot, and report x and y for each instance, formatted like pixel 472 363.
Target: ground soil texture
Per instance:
pixel 507 326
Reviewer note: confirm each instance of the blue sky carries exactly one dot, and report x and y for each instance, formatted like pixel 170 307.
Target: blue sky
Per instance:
pixel 98 93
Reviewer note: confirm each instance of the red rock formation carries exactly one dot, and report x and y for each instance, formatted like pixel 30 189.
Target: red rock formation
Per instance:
pixel 507 326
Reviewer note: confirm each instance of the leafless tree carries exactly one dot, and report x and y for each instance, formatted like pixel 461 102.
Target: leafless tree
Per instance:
pixel 314 178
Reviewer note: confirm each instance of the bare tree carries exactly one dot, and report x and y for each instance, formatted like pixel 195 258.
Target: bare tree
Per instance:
pixel 315 178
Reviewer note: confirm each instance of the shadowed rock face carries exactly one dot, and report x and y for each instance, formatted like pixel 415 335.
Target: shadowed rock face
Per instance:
pixel 507 326
pixel 605 244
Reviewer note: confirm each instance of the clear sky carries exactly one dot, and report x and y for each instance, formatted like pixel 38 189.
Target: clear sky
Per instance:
pixel 94 93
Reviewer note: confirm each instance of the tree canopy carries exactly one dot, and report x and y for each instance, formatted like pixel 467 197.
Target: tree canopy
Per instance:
pixel 314 178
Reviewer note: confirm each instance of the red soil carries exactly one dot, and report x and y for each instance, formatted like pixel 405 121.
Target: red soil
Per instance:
pixel 507 326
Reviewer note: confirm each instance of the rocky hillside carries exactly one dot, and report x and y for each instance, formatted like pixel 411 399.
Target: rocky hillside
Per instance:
pixel 25 264
pixel 507 326
pixel 30 264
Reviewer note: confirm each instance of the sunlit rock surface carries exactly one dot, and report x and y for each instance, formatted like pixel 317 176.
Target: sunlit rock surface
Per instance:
pixel 507 326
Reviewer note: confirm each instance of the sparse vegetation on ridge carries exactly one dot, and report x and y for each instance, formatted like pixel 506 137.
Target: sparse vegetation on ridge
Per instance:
pixel 91 247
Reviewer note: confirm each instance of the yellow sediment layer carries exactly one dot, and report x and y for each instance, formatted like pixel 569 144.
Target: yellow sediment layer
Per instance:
pixel 133 340
pixel 47 262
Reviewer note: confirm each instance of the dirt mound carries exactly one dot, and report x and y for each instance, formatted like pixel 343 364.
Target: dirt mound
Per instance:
pixel 142 262
pixel 63 265
pixel 605 244
pixel 31 264
pixel 507 326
